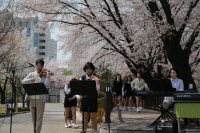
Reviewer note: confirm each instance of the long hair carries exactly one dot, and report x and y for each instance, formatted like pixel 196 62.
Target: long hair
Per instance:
pixel 128 77
pixel 120 77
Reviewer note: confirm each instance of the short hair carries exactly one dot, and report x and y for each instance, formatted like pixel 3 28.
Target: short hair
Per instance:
pixel 41 61
pixel 139 73
pixel 89 65
pixel 174 70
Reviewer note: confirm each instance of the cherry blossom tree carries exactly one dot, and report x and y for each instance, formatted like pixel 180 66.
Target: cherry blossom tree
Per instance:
pixel 18 58
pixel 60 77
pixel 139 33
pixel 6 14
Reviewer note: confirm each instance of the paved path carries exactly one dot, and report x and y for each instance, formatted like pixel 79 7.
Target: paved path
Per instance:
pixel 53 122
pixel 131 121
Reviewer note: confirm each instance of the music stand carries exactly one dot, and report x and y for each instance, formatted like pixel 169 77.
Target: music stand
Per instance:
pixel 35 89
pixel 85 88
pixel 167 85
pixel 160 85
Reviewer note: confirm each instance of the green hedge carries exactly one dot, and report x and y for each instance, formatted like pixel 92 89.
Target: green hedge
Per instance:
pixel 20 109
pixel 25 109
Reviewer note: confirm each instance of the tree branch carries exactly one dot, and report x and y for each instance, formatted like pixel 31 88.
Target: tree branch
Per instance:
pixel 167 10
pixel 191 7
pixel 154 10
pixel 191 40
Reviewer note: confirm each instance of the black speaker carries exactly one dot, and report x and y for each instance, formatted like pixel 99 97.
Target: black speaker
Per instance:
pixel 166 127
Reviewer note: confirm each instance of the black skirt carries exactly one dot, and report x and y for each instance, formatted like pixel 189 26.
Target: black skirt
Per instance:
pixel 71 103
pixel 119 93
pixel 89 104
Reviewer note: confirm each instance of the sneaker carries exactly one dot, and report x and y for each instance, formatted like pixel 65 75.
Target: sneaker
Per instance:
pixel 120 108
pixel 130 109
pixel 116 108
pixel 69 126
pixel 89 125
pixel 133 107
pixel 141 108
pixel 138 110
pixel 66 125
pixel 74 126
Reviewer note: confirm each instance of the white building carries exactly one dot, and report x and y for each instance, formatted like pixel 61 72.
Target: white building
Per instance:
pixel 46 47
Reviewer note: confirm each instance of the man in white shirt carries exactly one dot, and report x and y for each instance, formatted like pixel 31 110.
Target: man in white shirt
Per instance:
pixel 35 77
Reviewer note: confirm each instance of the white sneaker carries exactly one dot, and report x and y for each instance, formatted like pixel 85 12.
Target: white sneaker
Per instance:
pixel 116 108
pixel 133 107
pixel 130 109
pixel 141 108
pixel 120 108
pixel 74 126
pixel 138 109
pixel 69 126
pixel 66 125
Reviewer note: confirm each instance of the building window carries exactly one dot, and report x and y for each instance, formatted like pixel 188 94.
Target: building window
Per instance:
pixel 41 47
pixel 26 23
pixel 42 34
pixel 42 41
pixel 20 24
pixel 23 24
pixel 28 32
pixel 41 53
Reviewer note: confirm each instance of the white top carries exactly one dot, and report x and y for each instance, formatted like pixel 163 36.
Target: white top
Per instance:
pixel 138 84
pixel 43 79
pixel 68 90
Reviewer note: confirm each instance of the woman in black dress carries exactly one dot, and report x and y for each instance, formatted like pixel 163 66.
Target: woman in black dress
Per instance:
pixel 117 91
pixel 70 103
pixel 128 93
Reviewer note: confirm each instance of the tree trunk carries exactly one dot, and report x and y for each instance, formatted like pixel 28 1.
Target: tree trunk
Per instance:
pixel 147 76
pixel 23 100
pixel 14 93
pixel 1 91
pixel 3 97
